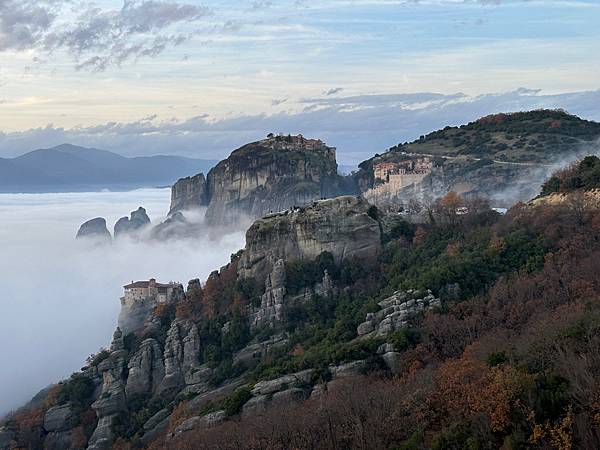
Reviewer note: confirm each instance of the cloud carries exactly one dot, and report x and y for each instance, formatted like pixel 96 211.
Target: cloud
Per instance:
pixel 358 126
pixel 333 91
pixel 277 102
pixel 23 23
pixel 260 5
pixel 97 37
pixel 60 298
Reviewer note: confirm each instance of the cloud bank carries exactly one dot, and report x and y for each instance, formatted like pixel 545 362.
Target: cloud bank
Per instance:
pixel 358 126
pixel 60 297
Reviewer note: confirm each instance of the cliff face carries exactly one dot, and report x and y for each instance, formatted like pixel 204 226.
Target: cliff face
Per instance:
pixel 341 226
pixel 188 193
pixel 269 175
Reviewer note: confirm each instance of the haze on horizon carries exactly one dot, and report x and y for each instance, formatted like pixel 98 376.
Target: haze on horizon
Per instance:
pixel 60 298
pixel 201 78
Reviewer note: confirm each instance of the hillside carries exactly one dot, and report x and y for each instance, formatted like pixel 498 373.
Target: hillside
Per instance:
pixel 503 157
pixel 340 326
pixel 71 168
pixel 524 137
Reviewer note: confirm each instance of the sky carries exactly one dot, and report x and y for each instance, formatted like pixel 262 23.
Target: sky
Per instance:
pixel 200 78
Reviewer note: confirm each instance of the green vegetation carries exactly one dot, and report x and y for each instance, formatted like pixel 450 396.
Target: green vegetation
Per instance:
pixel 533 136
pixel 584 176
pixel 233 404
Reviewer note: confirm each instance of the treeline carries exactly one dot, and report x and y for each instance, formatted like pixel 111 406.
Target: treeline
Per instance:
pixel 509 362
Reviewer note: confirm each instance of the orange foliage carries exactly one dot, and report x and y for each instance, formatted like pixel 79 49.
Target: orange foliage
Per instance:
pixel 184 310
pixel 212 291
pixel 467 385
pixel 179 414
pixel 559 434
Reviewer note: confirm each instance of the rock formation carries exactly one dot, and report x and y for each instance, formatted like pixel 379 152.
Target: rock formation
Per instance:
pixel 188 193
pixel 94 228
pixel 146 369
pixel 269 175
pixel 112 400
pixel 340 226
pixel 129 226
pixel 176 226
pixel 395 312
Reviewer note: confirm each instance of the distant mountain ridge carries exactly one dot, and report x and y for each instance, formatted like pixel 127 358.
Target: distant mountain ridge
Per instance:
pixel 72 168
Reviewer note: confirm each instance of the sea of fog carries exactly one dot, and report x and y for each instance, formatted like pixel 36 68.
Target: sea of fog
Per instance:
pixel 59 298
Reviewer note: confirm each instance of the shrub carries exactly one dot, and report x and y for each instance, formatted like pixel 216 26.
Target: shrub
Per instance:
pixel 234 403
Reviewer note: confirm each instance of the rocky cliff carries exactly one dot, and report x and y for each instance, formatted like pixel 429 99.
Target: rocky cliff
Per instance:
pixel 341 226
pixel 188 193
pixel 265 176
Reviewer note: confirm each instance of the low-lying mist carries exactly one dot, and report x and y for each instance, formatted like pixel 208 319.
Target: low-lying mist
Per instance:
pixel 60 297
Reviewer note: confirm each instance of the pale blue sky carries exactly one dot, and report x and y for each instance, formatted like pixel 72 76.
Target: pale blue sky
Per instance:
pixel 79 65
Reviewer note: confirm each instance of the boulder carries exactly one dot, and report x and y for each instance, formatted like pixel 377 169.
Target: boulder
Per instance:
pixel 94 229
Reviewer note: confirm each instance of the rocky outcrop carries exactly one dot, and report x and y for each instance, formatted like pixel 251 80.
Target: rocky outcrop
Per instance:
pixel 132 225
pixel 271 303
pixel 256 351
pixel 176 226
pixel 112 400
pixel 200 422
pixel 281 391
pixel 340 226
pixel 188 193
pixel 59 418
pixel 94 228
pixel 395 312
pixel 146 369
pixel 182 357
pixel 273 174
